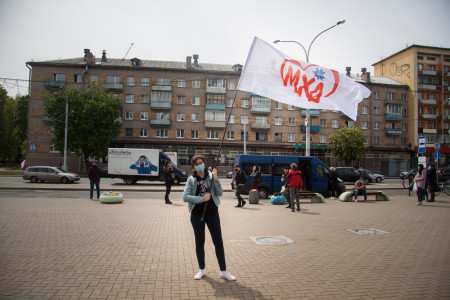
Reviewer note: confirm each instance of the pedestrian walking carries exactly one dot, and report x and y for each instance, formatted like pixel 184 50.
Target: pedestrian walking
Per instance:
pixel 432 182
pixel 419 180
pixel 94 175
pixel 202 192
pixel 256 178
pixel 332 184
pixel 286 193
pixel 168 180
pixel 241 180
pixel 295 185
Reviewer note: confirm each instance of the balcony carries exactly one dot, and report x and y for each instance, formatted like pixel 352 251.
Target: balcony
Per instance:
pixel 395 117
pixel 312 128
pixel 427 130
pixel 428 117
pixel 447 74
pixel 216 90
pixel 160 104
pixel 427 87
pixel 312 112
pixel 427 72
pixel 160 122
pixel 393 101
pixel 163 88
pixel 113 86
pixel 47 119
pixel 427 102
pixel 54 83
pixel 214 124
pixel 260 126
pixel 392 131
pixel 265 110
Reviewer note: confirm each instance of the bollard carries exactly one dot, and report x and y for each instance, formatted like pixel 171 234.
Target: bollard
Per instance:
pixel 253 196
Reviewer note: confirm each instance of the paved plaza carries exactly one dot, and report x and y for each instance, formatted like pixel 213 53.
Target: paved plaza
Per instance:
pixel 73 248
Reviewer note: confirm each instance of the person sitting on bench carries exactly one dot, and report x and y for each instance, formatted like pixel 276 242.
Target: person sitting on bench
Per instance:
pixel 360 188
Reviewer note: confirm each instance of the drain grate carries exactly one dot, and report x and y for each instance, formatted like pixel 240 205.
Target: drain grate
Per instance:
pixel 271 240
pixel 367 231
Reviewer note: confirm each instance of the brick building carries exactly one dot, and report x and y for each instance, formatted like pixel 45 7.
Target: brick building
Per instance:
pixel 183 107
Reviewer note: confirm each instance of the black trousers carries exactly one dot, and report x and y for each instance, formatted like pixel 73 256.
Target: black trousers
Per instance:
pixel 213 223
pixel 168 188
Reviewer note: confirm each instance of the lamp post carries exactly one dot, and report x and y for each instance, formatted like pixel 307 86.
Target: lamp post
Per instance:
pixel 307 125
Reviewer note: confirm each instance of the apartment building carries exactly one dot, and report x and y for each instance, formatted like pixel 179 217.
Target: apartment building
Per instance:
pixel 184 107
pixel 426 70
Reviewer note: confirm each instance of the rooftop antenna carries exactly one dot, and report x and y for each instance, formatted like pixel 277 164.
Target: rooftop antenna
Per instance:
pixel 127 52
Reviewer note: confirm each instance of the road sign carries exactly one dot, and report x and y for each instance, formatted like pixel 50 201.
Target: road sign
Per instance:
pixel 422 144
pixel 437 155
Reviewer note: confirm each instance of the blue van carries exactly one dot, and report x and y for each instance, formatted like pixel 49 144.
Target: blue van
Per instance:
pixel 314 171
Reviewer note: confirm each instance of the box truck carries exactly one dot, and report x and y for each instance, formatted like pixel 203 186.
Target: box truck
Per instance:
pixel 134 165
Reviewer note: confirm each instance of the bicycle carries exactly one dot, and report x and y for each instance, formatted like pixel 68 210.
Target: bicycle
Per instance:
pixel 408 182
pixel 444 186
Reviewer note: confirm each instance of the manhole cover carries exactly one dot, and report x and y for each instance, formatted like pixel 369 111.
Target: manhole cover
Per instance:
pixel 367 231
pixel 271 240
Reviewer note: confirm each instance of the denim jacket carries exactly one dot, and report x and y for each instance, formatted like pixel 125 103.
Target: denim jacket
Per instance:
pixel 190 190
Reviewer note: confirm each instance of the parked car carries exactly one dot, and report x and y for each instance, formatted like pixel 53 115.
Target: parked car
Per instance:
pixel 444 174
pixel 373 177
pixel 408 174
pixel 45 173
pixel 348 174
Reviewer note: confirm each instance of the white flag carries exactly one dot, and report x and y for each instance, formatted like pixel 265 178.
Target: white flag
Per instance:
pixel 270 73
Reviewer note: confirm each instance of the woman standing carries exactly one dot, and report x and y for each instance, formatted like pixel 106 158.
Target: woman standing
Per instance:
pixel 198 192
pixel 420 183
pixel 256 178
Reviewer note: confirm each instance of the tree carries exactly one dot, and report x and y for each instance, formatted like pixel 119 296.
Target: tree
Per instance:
pixel 10 140
pixel 92 120
pixel 348 144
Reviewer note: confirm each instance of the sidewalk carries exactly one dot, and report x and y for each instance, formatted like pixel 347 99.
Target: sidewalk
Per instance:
pixel 74 248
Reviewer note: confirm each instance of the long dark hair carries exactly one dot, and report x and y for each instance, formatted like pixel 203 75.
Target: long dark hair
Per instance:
pixel 420 169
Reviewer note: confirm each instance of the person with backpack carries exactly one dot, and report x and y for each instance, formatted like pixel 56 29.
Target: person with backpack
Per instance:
pixel 295 185
pixel 240 179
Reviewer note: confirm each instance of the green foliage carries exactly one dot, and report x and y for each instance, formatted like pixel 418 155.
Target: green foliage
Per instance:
pixel 91 119
pixel 348 144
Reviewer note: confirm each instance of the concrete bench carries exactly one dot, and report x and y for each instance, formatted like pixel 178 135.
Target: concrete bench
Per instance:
pixel 379 196
pixel 315 197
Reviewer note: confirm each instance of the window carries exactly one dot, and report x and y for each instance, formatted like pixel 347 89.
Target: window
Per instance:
pixel 215 115
pixel 390 140
pixel 195 117
pixel 420 57
pixel 404 97
pixel 323 139
pixel 278 137
pixel 376 95
pixel 180 117
pixel 390 96
pixel 231 120
pixel 230 102
pixel 242 136
pixel 431 96
pixel 261 136
pixel 144 115
pixel 230 135
pixel 351 124
pixel 196 84
pixel 180 133
pixel 129 115
pixel 244 103
pixel 278 121
pixel 128 131
pixel 376 140
pixel 145 81
pixel 143 132
pixel 244 119
pixel 130 98
pixel 93 79
pixel 144 99
pixel 53 148
pixel 365 125
pixel 261 102
pixel 59 77
pixel 365 110
pixel 420 124
pixel 162 116
pixel 261 120
pixel 420 67
pixel 431 125
pixel 130 81
pixel 181 83
pixel 215 82
pixel 212 134
pixel 112 79
pixel 291 121
pixel 163 81
pixel 323 123
pixel 291 107
pixel 405 127
pixel 231 85
pixel 195 100
pixel 291 137
pixel 334 123
pixel 376 110
pixel 278 105
pixel 431 58
pixel 181 100
pixel 393 109
pixel 77 78
pixel 405 112
pixel 162 133
pixel 194 134
pixel 376 126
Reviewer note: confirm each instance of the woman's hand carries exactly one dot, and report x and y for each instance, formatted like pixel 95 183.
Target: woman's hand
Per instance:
pixel 207 196
pixel 214 173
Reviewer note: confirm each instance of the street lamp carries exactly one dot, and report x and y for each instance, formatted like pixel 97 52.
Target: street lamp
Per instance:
pixel 308 128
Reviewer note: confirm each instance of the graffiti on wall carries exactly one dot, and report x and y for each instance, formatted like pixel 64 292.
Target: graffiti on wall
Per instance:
pixel 402 70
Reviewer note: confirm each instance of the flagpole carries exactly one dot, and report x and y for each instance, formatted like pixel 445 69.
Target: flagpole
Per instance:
pixel 308 113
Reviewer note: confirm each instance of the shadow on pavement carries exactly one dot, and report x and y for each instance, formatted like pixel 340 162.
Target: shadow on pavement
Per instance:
pixel 222 289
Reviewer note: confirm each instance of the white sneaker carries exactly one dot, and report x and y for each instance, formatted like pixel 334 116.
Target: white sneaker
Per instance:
pixel 227 276
pixel 200 274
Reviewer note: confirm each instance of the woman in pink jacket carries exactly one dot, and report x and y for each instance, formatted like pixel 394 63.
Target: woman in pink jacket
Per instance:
pixel 420 183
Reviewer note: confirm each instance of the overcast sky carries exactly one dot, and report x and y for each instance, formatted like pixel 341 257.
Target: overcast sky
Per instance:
pixel 218 31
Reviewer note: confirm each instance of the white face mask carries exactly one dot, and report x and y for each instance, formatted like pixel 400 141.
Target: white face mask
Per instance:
pixel 199 168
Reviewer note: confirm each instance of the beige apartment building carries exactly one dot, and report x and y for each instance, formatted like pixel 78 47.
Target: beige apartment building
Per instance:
pixel 184 107
pixel 426 70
